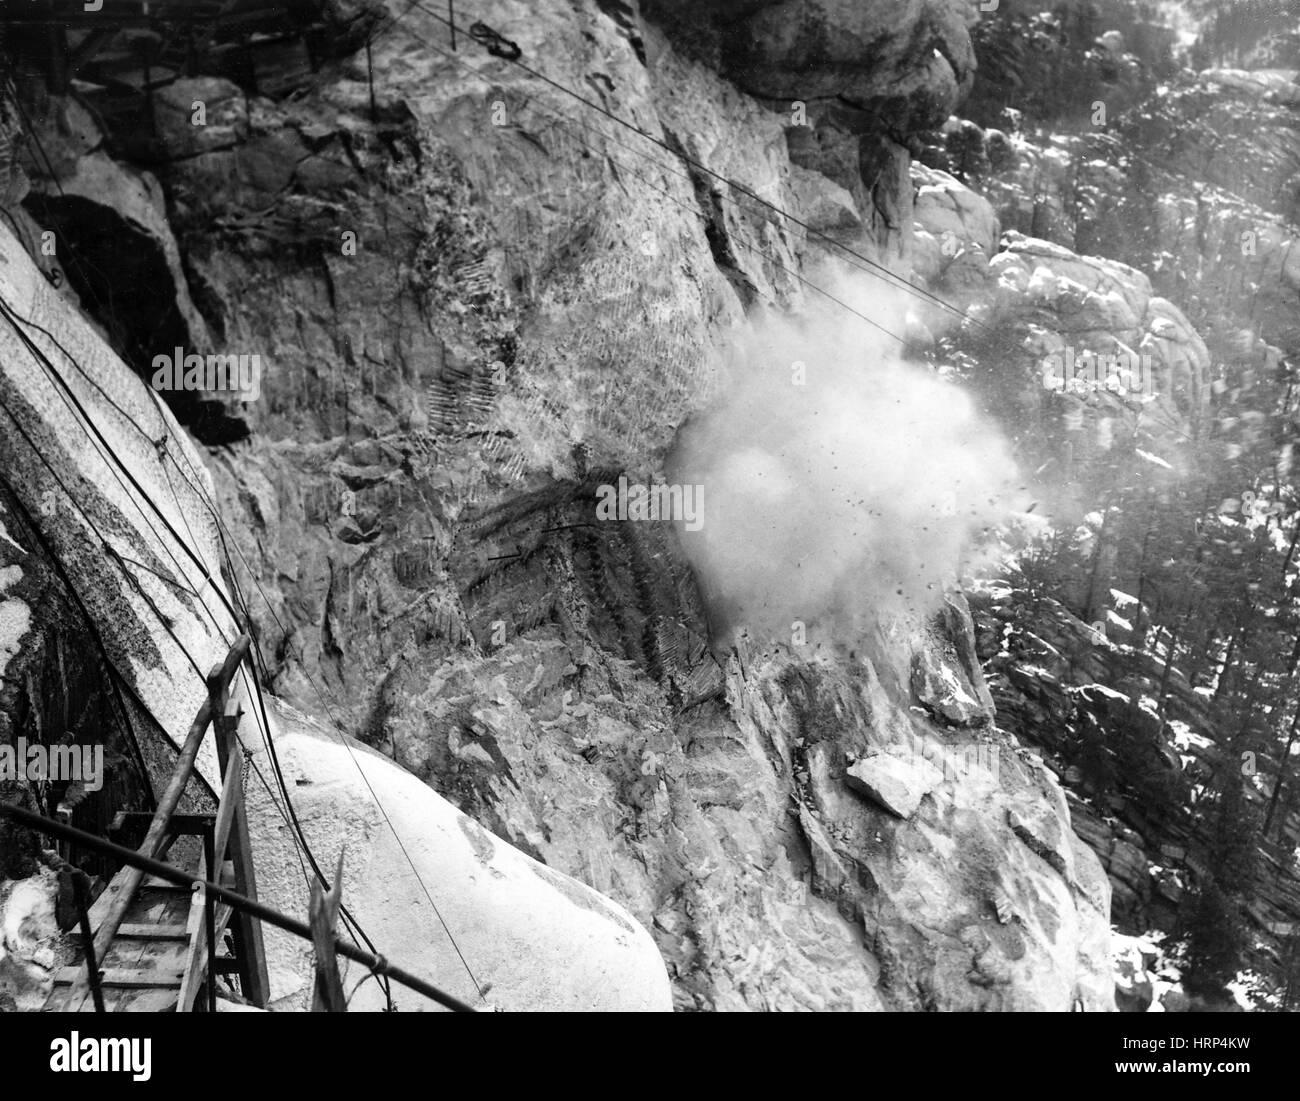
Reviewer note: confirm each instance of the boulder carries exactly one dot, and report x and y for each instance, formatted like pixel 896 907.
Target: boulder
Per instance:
pixel 896 784
pixel 30 942
pixel 949 210
pixel 945 672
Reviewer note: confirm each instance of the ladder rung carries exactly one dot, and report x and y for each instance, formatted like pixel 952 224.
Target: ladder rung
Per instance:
pixel 154 932
pixel 153 883
pixel 122 977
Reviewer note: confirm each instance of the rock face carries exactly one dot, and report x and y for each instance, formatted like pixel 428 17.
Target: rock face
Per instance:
pixel 910 59
pixel 790 889
pixel 476 303
pixel 538 938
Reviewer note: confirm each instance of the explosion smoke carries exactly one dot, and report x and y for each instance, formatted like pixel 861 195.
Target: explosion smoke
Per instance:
pixel 843 484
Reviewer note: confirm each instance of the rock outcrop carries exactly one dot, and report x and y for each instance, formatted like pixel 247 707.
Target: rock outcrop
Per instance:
pixel 898 61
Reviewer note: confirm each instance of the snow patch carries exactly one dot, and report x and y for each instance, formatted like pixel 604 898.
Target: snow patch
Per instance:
pixel 1185 737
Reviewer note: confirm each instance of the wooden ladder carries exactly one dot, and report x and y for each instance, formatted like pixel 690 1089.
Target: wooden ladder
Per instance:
pixel 154 944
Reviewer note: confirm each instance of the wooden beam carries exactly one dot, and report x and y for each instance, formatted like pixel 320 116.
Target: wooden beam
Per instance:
pixel 181 825
pixel 232 797
pixel 157 883
pixel 153 883
pixel 122 976
pixel 196 956
pixel 253 978
pixel 80 889
pixel 324 912
pixel 152 932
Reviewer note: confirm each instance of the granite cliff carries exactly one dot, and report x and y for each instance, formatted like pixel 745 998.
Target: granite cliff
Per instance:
pixel 476 300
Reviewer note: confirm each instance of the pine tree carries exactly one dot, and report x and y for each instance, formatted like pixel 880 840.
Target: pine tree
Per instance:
pixel 1216 929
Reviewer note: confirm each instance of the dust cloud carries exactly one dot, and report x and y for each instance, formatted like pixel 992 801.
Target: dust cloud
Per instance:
pixel 841 484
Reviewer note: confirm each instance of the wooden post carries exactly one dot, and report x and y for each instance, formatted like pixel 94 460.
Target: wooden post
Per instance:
pixel 212 862
pixel 87 937
pixel 328 996
pixel 197 930
pixel 253 978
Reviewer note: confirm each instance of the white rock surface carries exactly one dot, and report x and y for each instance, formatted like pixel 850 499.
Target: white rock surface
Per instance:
pixel 105 502
pixel 28 939
pixel 539 939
